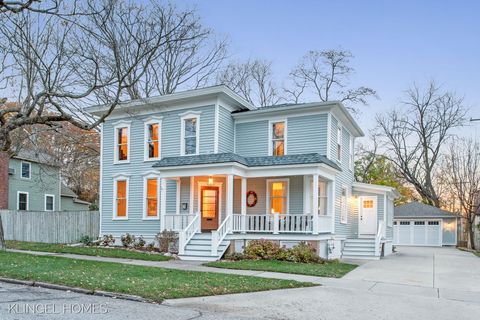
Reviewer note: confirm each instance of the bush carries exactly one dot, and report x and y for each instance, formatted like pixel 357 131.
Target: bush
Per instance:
pixel 303 252
pixel 151 246
pixel 128 240
pixel 236 256
pixel 86 240
pixel 262 249
pixel 139 243
pixel 108 240
pixel 167 240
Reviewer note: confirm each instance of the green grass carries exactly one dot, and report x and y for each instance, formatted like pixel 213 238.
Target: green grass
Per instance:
pixel 148 282
pixel 329 269
pixel 88 251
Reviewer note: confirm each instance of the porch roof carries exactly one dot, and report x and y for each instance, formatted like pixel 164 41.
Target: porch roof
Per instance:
pixel 217 158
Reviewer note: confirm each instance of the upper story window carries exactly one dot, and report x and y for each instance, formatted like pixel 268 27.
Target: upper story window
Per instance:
pixel 190 134
pixel 343 206
pixel 122 143
pixel 277 196
pixel 121 198
pixel 152 139
pixel 339 143
pixel 26 170
pixel 278 138
pixel 49 202
pixel 22 200
pixel 351 155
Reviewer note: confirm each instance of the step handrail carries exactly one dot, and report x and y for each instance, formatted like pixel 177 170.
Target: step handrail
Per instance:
pixel 185 235
pixel 378 238
pixel 220 234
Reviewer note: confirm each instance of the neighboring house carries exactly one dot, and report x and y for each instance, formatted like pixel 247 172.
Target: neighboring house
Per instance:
pixel 418 224
pixel 70 201
pixel 211 166
pixel 34 184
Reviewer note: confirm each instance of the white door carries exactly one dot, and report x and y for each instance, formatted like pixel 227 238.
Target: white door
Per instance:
pixel 367 216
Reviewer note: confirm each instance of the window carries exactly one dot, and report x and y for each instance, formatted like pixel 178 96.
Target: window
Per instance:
pixel 351 154
pixel 152 140
pixel 343 206
pixel 322 198
pixel 367 204
pixel 190 135
pixel 339 143
pixel 151 197
pixel 26 170
pixel 121 198
pixel 404 223
pixel 278 135
pixel 122 143
pixel 22 200
pixel 277 196
pixel 433 223
pixel 419 223
pixel 49 202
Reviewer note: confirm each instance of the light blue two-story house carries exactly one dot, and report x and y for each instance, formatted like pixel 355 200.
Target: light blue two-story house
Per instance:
pixel 220 171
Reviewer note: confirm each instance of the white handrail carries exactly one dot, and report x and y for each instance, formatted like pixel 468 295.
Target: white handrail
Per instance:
pixel 185 235
pixel 220 234
pixel 378 238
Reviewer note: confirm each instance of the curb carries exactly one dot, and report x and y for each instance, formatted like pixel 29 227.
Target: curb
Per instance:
pixel 113 295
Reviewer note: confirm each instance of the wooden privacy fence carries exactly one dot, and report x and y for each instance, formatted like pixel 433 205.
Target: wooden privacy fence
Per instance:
pixel 50 226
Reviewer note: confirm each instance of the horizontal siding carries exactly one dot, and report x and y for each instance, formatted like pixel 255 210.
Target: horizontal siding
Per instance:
pixel 307 134
pixel 226 131
pixel 252 138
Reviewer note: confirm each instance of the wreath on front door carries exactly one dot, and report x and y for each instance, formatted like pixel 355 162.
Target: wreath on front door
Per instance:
pixel 251 199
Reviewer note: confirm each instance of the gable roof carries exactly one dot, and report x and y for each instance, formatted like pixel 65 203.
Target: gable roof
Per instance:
pixel 67 192
pixel 421 210
pixel 214 158
pixel 35 156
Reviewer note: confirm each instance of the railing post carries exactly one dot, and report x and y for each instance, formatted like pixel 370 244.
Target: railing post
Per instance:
pixel 243 205
pixel 243 223
pixel 214 251
pixel 275 223
pixel 181 242
pixel 315 224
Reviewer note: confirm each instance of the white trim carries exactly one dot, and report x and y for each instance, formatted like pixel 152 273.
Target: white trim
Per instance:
pixel 29 170
pixel 287 180
pixel 18 199
pixel 338 157
pixel 192 194
pixel 375 210
pixel 351 154
pixel 178 194
pixel 147 122
pixel 45 200
pixel 329 136
pixel 375 188
pixel 186 116
pixel 100 189
pixel 114 213
pixel 201 184
pixel 216 128
pixel 119 125
pixel 145 178
pixel 271 122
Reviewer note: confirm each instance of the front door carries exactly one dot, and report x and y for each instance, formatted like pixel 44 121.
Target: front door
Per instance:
pixel 209 208
pixel 367 216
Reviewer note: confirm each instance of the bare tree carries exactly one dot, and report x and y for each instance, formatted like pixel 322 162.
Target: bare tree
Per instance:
pixel 416 135
pixel 462 164
pixel 253 80
pixel 327 73
pixel 16 6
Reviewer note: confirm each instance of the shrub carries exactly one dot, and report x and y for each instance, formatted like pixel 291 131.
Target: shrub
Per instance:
pixel 167 240
pixel 262 249
pixel 151 246
pixel 86 240
pixel 139 243
pixel 108 240
pixel 127 240
pixel 236 256
pixel 303 252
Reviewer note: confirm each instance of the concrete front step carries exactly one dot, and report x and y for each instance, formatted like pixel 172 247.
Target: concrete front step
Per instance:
pixel 359 257
pixel 355 249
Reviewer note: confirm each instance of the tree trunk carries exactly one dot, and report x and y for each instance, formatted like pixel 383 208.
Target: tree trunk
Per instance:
pixel 2 238
pixel 471 235
pixel 4 160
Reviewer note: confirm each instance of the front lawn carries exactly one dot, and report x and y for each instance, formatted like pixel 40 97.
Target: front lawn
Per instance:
pixel 88 251
pixel 152 283
pixel 328 269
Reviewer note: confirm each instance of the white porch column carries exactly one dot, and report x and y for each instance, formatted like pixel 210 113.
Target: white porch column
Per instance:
pixel 163 202
pixel 192 190
pixel 315 204
pixel 244 204
pixel 229 205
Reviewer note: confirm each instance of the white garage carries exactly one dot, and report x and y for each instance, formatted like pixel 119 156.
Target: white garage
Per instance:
pixel 418 224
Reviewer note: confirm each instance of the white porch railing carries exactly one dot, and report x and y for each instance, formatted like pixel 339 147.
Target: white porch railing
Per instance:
pixel 280 223
pixel 185 235
pixel 220 234
pixel 178 222
pixel 378 237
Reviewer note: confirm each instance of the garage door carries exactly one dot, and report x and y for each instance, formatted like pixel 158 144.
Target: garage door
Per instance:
pixel 417 232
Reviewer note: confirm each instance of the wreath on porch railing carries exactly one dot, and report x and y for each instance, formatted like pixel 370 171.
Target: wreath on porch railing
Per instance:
pixel 251 198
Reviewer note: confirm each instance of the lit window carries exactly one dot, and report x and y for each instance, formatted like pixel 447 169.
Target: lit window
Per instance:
pixel 278 196
pixel 190 145
pixel 49 202
pixel 339 143
pixel 122 144
pixel 322 198
pixel 121 198
pixel 153 140
pixel 22 201
pixel 367 204
pixel 26 170
pixel 278 138
pixel 343 206
pixel 152 197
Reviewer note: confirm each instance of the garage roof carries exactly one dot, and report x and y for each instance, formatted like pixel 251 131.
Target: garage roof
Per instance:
pixel 421 210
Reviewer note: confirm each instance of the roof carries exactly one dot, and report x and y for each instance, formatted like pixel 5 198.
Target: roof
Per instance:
pixel 375 188
pixel 421 210
pixel 307 158
pixel 67 192
pixel 35 156
pixel 337 107
pixel 168 99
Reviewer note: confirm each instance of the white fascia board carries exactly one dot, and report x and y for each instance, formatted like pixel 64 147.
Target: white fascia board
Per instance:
pixel 375 188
